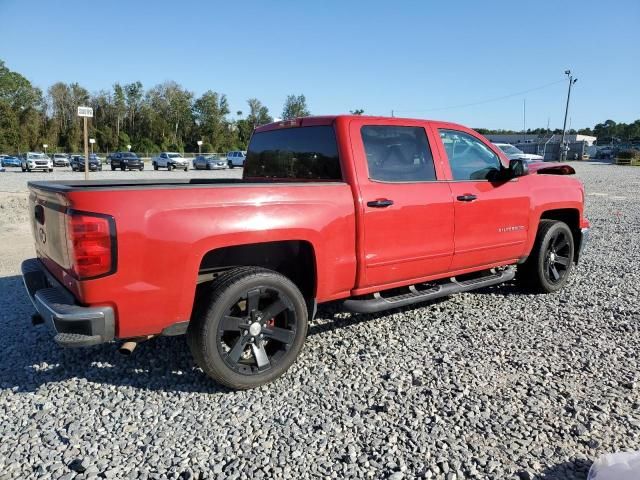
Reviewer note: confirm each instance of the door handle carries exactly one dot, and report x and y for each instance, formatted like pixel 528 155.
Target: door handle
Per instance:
pixel 467 197
pixel 380 203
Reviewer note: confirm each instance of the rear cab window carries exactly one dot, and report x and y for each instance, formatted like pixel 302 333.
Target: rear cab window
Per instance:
pixel 294 154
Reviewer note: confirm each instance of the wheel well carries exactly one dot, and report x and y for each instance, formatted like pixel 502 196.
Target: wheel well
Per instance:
pixel 571 217
pixel 294 259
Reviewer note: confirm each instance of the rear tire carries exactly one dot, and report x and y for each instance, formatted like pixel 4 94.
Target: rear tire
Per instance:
pixel 551 260
pixel 168 167
pixel 250 327
pixel 155 166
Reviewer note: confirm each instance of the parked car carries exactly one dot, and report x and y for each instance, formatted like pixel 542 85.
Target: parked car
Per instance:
pixel 375 212
pixel 170 161
pixel 236 158
pixel 78 164
pixel 35 161
pixel 209 162
pixel 513 153
pixel 61 160
pixel 96 157
pixel 126 161
pixel 10 161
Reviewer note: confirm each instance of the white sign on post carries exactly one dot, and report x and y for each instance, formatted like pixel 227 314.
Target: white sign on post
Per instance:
pixel 85 112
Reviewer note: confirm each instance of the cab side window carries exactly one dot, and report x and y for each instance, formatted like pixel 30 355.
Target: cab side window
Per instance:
pixel 398 154
pixel 469 158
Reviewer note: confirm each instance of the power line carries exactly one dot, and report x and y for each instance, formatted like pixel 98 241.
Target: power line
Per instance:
pixel 482 102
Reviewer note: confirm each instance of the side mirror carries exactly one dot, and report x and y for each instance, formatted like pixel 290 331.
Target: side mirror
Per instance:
pixel 518 168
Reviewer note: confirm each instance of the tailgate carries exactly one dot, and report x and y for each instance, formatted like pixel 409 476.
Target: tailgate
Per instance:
pixel 47 214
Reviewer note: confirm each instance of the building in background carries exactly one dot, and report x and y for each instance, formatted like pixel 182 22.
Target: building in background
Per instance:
pixel 579 146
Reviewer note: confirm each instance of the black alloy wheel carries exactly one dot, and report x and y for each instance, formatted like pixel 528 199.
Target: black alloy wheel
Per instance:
pixel 250 329
pixel 557 257
pixel 550 262
pixel 256 331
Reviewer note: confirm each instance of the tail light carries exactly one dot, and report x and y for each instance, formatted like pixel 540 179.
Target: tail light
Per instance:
pixel 91 242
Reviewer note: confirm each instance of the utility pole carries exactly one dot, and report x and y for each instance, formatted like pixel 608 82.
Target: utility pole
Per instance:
pixel 563 150
pixel 86 151
pixel 86 112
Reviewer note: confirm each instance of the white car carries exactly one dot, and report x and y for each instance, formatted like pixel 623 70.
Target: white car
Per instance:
pixel 513 153
pixel 36 161
pixel 170 161
pixel 236 158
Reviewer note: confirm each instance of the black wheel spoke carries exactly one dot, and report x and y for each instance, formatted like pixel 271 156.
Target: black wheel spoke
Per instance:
pixel 238 348
pixel 564 261
pixel 260 354
pixel 232 324
pixel 560 242
pixel 277 307
pixel 253 298
pixel 281 335
pixel 554 272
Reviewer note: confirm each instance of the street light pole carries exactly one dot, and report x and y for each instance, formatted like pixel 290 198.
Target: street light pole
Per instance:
pixel 199 147
pixel 563 150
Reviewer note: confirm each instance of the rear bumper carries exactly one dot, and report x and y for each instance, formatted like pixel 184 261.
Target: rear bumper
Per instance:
pixel 73 325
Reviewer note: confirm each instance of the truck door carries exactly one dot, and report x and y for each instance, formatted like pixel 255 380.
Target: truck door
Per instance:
pixel 407 219
pixel 491 216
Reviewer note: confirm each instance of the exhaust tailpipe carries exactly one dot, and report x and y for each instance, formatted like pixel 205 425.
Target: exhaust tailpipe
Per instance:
pixel 130 345
pixel 127 348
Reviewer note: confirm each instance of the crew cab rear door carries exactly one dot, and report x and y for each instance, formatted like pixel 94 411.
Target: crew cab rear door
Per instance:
pixel 407 214
pixel 491 214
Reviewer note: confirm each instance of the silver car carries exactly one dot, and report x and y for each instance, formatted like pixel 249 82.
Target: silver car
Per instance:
pixel 209 162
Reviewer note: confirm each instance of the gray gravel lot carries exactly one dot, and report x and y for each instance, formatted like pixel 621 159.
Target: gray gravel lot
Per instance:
pixel 490 384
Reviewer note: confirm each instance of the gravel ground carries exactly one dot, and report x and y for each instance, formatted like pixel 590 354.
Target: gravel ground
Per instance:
pixel 490 384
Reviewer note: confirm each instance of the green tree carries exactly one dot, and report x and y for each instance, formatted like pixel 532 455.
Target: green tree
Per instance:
pixel 357 111
pixel 211 110
pixel 294 107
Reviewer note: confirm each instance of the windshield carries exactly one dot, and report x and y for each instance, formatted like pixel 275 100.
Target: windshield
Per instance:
pixel 129 155
pixel 510 149
pixel 302 153
pixel 37 156
pixel 174 155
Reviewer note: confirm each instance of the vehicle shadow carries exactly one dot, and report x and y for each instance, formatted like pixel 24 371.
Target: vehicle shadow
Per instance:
pixel 572 470
pixel 31 358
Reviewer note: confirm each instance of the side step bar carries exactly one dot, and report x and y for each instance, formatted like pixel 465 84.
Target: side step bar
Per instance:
pixel 379 303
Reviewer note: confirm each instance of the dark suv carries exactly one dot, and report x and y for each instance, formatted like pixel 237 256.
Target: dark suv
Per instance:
pixel 77 164
pixel 126 161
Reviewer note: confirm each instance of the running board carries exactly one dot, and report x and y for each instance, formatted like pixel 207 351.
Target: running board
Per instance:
pixel 379 303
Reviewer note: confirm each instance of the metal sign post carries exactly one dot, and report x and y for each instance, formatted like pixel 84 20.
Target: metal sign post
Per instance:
pixel 86 112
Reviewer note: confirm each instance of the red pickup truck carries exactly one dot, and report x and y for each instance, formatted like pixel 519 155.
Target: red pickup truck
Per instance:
pixel 376 212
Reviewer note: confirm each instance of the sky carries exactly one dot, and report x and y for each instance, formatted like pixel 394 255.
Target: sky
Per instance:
pixel 472 62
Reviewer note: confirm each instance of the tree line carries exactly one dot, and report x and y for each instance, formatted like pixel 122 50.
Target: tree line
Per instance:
pixel 164 117
pixel 607 130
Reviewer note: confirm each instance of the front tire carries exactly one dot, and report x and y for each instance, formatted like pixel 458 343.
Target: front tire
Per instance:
pixel 155 166
pixel 168 167
pixel 249 329
pixel 551 260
